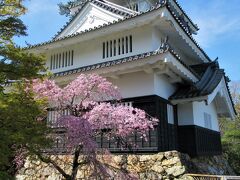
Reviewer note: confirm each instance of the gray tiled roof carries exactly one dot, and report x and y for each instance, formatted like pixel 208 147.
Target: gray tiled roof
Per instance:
pixel 208 82
pixel 82 4
pixel 180 7
pixel 211 75
pixel 158 6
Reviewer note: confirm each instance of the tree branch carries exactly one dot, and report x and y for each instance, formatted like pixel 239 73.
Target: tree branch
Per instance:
pixel 48 160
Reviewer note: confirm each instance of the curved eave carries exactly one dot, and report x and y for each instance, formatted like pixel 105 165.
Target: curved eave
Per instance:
pixel 153 60
pixel 186 35
pixel 193 25
pixel 221 90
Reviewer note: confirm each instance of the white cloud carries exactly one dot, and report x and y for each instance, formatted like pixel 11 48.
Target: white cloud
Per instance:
pixel 216 21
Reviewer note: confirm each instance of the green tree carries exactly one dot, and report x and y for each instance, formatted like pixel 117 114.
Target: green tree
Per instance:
pixel 19 128
pixel 18 110
pixel 231 144
pixel 231 133
pixel 15 63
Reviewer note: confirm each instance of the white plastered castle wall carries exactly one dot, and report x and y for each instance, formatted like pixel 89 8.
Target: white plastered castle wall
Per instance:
pixel 91 52
pixel 199 108
pixel 135 84
pixel 193 114
pixel 185 114
pixel 162 86
pixel 143 84
pixel 90 16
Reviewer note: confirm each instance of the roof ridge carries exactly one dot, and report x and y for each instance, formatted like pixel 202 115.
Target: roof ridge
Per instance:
pixel 119 6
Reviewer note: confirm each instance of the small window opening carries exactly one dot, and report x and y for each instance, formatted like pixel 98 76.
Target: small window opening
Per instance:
pixel 104 50
pixel 51 63
pixel 122 45
pixel 60 61
pixel 111 48
pixel 72 57
pixel 114 45
pixel 66 59
pixel 69 58
pixel 54 61
pixel 126 44
pixel 107 49
pixel 130 43
pixel 119 46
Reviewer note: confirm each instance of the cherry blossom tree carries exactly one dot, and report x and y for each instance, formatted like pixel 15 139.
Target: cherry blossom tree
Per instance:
pixel 93 106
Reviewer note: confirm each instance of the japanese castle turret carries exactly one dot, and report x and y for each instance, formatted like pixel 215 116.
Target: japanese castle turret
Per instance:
pixel 147 49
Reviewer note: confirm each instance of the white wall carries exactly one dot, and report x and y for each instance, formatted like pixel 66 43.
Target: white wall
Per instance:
pixel 199 108
pixel 135 84
pixel 185 114
pixel 91 52
pixel 143 84
pixel 193 114
pixel 90 16
pixel 162 86
pixel 157 36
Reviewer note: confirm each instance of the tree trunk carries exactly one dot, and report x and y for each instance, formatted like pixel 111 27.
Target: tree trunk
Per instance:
pixel 75 163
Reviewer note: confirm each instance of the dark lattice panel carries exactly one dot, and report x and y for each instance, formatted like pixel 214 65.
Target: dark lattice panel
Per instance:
pixel 172 137
pixel 166 135
pixel 208 142
pixel 198 141
pixel 132 143
pixel 163 126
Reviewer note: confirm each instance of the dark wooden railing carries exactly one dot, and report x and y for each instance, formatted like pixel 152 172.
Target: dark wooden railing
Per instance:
pixel 134 142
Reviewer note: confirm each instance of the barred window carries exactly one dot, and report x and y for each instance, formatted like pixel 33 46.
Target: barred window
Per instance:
pixel 61 60
pixel 207 121
pixel 170 114
pixel 116 47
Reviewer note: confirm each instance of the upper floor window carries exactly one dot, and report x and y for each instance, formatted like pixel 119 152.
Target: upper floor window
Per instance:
pixel 61 59
pixel 170 114
pixel 207 121
pixel 117 46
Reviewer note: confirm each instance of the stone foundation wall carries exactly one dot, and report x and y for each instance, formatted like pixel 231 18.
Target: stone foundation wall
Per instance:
pixel 165 165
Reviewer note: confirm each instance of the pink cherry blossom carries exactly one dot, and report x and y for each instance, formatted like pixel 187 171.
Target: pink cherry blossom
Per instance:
pixel 84 98
pixel 88 98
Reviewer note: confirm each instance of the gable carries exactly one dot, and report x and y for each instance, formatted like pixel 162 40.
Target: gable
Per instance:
pixel 89 16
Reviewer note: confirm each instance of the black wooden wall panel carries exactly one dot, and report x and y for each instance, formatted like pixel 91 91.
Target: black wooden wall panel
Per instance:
pixel 199 141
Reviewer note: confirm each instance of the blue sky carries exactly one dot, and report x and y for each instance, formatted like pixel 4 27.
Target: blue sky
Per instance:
pixel 218 20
